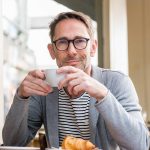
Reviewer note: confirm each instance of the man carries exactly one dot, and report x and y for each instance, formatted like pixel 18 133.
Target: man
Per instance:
pixel 92 103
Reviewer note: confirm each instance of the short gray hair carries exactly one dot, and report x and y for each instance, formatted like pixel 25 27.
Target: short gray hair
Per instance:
pixel 71 15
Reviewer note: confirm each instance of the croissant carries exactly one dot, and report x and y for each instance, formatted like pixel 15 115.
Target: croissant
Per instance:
pixel 72 143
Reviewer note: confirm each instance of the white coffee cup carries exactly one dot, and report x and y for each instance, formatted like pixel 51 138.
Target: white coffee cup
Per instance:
pixel 52 77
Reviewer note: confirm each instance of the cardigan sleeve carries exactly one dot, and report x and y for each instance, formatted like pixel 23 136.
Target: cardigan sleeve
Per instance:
pixel 122 113
pixel 22 121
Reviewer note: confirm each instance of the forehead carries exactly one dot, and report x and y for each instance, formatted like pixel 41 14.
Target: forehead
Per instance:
pixel 70 28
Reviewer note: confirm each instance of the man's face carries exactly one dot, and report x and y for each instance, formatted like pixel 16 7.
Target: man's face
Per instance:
pixel 71 29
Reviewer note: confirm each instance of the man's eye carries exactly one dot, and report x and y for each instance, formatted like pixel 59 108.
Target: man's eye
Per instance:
pixel 62 42
pixel 79 40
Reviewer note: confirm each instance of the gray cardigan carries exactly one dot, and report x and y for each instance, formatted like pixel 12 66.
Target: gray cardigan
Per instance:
pixel 115 122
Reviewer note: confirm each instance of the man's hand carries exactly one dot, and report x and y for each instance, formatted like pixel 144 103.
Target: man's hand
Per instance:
pixel 78 82
pixel 34 84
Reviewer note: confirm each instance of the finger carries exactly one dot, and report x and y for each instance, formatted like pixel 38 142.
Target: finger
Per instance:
pixel 77 90
pixel 37 74
pixel 72 84
pixel 68 77
pixel 30 92
pixel 39 82
pixel 37 87
pixel 67 69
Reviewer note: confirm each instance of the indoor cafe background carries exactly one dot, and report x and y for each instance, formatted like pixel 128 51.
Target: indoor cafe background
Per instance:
pixel 123 31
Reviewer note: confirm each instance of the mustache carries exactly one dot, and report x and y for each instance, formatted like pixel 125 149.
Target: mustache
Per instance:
pixel 72 59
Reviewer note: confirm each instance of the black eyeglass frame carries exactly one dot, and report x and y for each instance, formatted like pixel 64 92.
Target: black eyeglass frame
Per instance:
pixel 71 41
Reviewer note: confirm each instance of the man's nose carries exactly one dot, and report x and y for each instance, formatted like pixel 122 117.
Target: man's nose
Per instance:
pixel 71 49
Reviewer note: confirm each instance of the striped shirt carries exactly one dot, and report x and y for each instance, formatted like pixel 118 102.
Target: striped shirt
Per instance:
pixel 73 116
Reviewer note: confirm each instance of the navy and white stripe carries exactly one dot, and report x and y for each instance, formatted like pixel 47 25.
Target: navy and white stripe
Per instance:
pixel 73 116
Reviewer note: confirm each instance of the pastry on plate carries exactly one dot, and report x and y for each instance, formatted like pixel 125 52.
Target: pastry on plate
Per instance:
pixel 72 143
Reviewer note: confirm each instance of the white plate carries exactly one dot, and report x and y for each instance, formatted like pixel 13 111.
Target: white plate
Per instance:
pixel 18 148
pixel 53 148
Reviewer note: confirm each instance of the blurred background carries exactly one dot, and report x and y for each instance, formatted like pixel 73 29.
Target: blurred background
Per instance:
pixel 122 28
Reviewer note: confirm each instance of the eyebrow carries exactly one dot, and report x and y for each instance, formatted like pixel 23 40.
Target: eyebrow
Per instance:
pixel 65 38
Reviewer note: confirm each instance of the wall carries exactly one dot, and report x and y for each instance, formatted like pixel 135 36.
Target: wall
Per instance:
pixel 106 34
pixel 118 35
pixel 139 49
pixel 1 80
pixel 115 35
pixel 137 25
pixel 98 14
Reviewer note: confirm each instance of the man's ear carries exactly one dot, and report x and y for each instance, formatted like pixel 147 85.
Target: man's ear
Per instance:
pixel 51 50
pixel 93 48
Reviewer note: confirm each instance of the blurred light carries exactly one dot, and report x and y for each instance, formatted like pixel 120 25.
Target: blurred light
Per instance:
pixel 9 9
pixel 45 8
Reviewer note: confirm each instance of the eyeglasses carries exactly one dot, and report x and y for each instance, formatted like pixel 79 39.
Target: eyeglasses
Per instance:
pixel 63 44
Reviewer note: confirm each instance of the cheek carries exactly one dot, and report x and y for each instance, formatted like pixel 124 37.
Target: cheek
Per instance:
pixel 59 59
pixel 83 54
pixel 86 54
